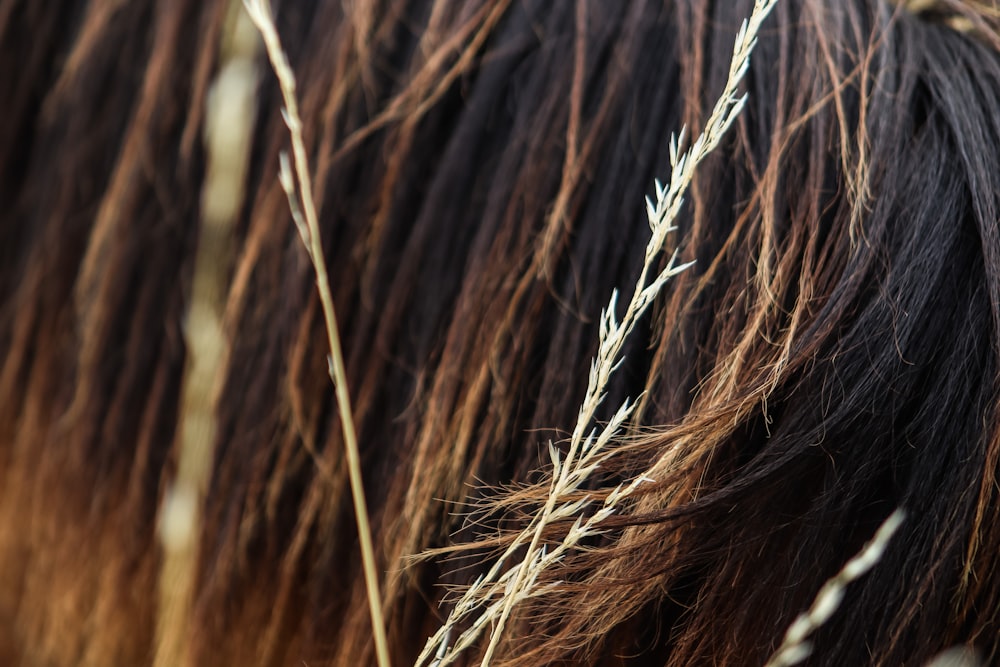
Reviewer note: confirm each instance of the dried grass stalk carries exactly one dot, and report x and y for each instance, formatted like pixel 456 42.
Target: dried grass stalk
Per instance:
pixel 795 647
pixel 491 599
pixel 303 208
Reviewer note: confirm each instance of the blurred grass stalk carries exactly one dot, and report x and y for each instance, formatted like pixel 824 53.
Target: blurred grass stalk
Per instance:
pixel 796 647
pixel 228 127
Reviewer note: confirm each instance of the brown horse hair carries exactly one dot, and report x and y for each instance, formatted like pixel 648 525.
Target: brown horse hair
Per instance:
pixel 480 169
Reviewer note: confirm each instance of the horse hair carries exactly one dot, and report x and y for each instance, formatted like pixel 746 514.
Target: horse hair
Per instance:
pixel 831 355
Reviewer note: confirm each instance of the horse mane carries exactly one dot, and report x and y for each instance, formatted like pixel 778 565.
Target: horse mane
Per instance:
pixel 479 169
